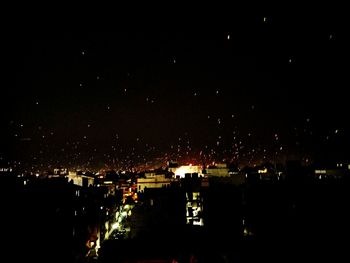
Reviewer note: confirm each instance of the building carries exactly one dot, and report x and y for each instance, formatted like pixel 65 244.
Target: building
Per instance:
pixel 80 179
pixel 220 170
pixel 186 169
pixel 152 180
pixel 195 190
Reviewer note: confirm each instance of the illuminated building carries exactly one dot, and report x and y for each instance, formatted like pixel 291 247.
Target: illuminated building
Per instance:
pixel 195 192
pixel 194 208
pixel 60 171
pixel 153 180
pixel 5 170
pixel 81 180
pixel 186 169
pixel 220 170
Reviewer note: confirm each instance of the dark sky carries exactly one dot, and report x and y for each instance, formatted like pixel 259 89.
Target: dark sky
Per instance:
pixel 266 85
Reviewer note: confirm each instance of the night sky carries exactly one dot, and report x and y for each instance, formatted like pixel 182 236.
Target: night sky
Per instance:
pixel 266 87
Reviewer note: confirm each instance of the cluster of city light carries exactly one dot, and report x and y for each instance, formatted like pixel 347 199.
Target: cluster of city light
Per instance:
pixel 263 171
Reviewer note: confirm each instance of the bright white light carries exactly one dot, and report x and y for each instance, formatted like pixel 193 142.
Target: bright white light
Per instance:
pixel 182 170
pixel 115 225
pixel 198 223
pixel 245 231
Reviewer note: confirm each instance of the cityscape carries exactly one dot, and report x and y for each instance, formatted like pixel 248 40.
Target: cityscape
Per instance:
pixel 230 145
